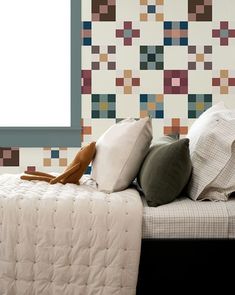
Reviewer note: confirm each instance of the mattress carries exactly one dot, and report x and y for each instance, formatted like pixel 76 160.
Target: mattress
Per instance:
pixel 188 219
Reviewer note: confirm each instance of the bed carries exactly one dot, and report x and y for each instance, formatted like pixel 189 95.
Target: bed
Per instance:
pixel 57 239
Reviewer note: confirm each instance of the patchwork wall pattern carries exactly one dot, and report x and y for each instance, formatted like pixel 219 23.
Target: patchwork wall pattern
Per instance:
pixel 170 60
pixel 9 156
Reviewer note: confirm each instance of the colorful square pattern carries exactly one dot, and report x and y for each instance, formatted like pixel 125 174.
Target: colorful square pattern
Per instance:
pixel 103 57
pixel 176 33
pixel 200 10
pixel 223 33
pixel 103 106
pixel 86 130
pixel 200 57
pixel 128 33
pixel 174 127
pixel 198 103
pixel 86 82
pixel 151 10
pixel 55 157
pixel 152 105
pixel 151 57
pixel 127 82
pixel 103 10
pixel 223 82
pixel 9 156
pixel 86 33
pixel 175 82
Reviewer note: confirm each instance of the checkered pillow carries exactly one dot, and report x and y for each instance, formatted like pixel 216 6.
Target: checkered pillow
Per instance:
pixel 212 150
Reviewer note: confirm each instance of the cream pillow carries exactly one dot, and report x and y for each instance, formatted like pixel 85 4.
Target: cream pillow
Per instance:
pixel 120 152
pixel 212 151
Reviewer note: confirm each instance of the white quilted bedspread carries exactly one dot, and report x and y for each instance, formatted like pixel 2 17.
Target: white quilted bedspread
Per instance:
pixel 67 239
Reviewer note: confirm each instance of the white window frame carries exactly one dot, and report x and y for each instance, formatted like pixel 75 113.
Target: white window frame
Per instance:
pixel 56 136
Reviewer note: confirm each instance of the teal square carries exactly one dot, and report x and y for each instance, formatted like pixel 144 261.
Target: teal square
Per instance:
pixel 127 33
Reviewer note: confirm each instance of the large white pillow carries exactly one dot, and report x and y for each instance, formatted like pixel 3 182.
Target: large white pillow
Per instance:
pixel 212 150
pixel 120 152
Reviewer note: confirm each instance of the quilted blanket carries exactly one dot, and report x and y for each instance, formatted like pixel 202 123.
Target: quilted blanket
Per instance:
pixel 67 239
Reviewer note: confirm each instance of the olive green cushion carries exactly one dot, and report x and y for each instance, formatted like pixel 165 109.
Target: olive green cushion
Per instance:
pixel 165 170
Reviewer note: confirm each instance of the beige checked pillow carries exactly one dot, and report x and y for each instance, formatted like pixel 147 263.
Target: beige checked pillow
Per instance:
pixel 212 151
pixel 119 154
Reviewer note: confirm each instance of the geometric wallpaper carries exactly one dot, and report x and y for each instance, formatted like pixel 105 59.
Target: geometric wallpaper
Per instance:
pixel 168 59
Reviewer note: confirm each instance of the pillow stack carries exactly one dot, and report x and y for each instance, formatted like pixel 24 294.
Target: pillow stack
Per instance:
pixel 212 150
pixel 202 164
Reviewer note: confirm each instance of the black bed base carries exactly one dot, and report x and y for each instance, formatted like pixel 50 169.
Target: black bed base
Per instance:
pixel 173 265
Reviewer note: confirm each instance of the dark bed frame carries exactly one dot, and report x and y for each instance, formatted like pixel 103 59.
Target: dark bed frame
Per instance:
pixel 171 264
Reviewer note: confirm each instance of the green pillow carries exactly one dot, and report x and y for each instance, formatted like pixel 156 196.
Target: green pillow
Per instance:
pixel 165 170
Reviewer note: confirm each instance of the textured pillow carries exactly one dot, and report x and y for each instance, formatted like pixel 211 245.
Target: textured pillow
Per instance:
pixel 212 150
pixel 204 122
pixel 119 154
pixel 165 171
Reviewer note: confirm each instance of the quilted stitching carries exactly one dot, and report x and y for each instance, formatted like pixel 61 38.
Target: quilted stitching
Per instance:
pixel 67 239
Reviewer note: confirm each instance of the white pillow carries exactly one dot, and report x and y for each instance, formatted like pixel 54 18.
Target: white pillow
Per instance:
pixel 204 122
pixel 212 150
pixel 120 152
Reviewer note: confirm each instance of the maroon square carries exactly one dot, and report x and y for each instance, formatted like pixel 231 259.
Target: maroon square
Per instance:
pixel 135 82
pixel 86 73
pixel 216 33
pixel 231 33
pixel 231 81
pixel 223 25
pixel 136 33
pixel 127 25
pixel 215 81
pixel 87 82
pixel 169 88
pixel 127 41
pixel 224 41
pixel 175 74
pixel 86 89
pixel 167 81
pixel 119 33
pixel 119 82
pixel 167 74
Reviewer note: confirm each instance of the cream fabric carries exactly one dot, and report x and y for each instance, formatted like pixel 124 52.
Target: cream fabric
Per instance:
pixel 120 152
pixel 212 150
pixel 188 219
pixel 67 239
